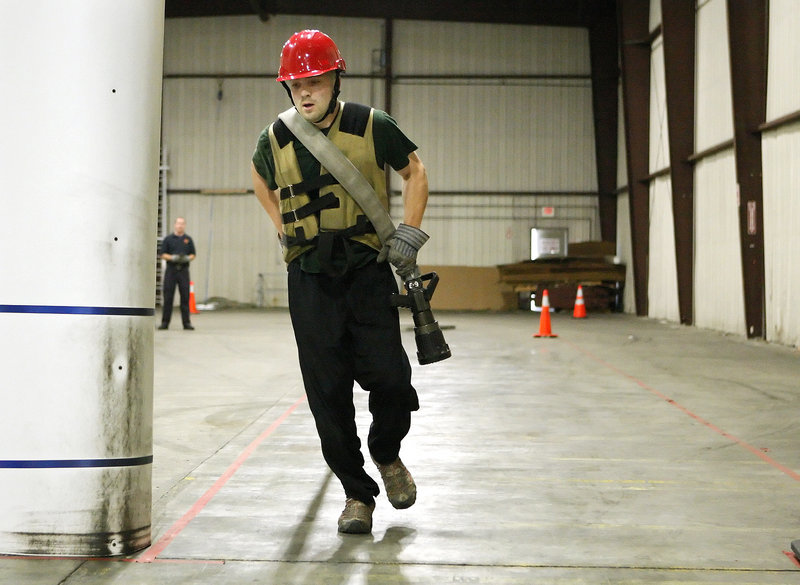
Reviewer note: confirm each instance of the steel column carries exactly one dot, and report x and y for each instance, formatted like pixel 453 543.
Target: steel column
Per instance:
pixel 747 30
pixel 604 51
pixel 678 32
pixel 635 44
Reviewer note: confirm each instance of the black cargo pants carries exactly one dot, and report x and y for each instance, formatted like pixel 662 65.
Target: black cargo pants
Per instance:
pixel 346 332
pixel 175 277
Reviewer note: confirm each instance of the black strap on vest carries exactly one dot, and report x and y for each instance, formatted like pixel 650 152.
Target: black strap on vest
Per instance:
pixel 308 185
pixel 363 226
pixel 327 201
pixel 330 241
pixel 327 242
pixel 355 118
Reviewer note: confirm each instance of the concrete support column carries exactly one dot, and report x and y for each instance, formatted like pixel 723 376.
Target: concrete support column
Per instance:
pixel 80 112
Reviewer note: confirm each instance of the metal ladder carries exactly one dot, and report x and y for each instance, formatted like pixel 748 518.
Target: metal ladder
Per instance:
pixel 163 167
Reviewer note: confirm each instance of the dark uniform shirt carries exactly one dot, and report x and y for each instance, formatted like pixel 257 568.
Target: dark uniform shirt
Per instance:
pixel 175 244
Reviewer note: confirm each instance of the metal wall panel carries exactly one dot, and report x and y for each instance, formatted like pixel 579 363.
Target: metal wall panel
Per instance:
pixel 502 137
pixel 211 140
pixel 244 44
pixel 659 134
pixel 781 151
pixel 714 107
pixel 782 238
pixel 625 252
pixel 235 242
pixel 538 131
pixel 450 48
pixel 491 138
pixel 622 160
pixel 662 285
pixel 624 242
pixel 490 229
pixel 655 14
pixel 210 135
pixel 718 291
pixel 783 73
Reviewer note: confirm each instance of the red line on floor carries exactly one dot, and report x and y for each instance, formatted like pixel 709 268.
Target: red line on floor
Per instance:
pixel 157 548
pixel 754 450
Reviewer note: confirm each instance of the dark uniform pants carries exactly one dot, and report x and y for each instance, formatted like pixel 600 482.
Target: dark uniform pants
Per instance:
pixel 173 277
pixel 346 332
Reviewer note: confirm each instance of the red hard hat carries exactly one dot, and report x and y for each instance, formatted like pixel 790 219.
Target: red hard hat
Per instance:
pixel 308 53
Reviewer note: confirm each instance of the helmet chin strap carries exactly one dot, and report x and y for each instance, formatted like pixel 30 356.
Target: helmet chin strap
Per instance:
pixel 331 104
pixel 334 100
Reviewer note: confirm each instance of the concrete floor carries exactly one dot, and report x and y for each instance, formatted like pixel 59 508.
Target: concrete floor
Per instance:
pixel 625 451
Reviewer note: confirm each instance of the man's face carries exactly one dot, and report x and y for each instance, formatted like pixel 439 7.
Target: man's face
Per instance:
pixel 312 95
pixel 180 226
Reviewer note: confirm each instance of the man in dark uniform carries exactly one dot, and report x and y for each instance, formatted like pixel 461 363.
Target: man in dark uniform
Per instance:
pixel 178 250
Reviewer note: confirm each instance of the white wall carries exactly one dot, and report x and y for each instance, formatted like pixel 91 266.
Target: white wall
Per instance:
pixel 714 111
pixel 625 250
pixel 781 153
pixel 783 83
pixel 235 243
pixel 718 289
pixel 624 244
pixel 662 286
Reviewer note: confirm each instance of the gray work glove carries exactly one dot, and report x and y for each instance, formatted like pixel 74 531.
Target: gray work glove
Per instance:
pixel 401 249
pixel 180 259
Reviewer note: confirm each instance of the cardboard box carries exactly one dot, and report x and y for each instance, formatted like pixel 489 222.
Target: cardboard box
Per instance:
pixel 471 288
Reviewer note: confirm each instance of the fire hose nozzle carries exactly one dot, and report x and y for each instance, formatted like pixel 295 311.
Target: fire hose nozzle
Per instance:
pixel 431 346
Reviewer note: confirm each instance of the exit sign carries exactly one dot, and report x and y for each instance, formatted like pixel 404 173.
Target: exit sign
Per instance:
pixel 548 211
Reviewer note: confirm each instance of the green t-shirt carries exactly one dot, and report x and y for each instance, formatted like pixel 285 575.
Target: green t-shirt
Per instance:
pixel 391 146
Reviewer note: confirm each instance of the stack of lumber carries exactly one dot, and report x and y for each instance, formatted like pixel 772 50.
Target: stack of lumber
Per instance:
pixel 590 264
pixel 529 274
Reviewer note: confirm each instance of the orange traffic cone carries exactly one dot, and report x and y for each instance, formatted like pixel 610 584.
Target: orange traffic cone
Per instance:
pixel 579 312
pixel 192 305
pixel 544 320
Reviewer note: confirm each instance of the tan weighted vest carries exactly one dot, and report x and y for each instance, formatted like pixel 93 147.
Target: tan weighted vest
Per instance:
pixel 351 132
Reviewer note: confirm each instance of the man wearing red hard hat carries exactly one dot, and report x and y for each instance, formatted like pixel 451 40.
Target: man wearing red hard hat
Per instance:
pixel 339 271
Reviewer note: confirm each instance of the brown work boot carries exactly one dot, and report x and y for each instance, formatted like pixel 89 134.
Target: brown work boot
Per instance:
pixel 356 518
pixel 400 487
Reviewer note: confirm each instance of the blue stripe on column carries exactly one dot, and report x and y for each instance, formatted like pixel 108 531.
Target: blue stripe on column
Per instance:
pixel 71 463
pixel 67 310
